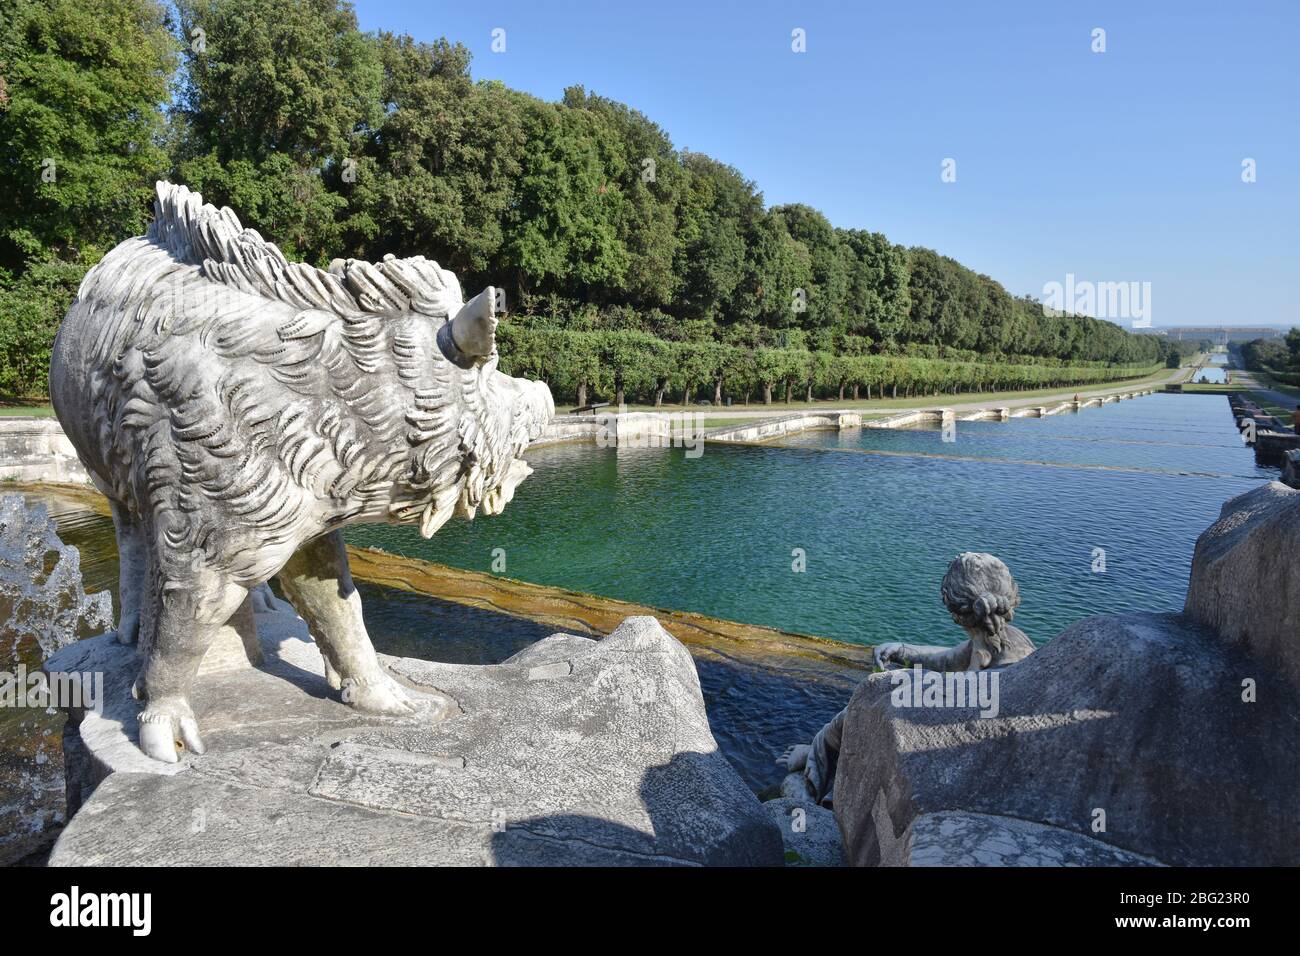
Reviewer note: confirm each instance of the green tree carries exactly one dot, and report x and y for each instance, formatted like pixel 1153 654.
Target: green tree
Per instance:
pixel 827 262
pixel 877 301
pixel 716 219
pixel 651 181
pixel 1293 344
pixel 82 135
pixel 778 285
pixel 82 83
pixel 562 230
pixel 438 173
pixel 275 105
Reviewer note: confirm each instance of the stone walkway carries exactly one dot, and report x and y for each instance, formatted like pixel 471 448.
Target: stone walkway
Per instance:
pixel 1248 381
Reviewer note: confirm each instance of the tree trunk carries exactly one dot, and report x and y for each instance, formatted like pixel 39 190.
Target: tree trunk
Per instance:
pixel 855 393
pixel 893 393
pixel 659 396
pixel 619 396
pixel 767 394
pixel 582 394
pixel 809 396
pixel 686 396
pixel 717 391
pixel 787 393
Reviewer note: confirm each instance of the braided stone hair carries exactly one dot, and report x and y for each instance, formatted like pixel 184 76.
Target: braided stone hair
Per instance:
pixel 980 593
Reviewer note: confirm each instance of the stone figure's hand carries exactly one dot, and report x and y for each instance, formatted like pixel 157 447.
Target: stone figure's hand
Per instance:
pixel 795 757
pixel 892 655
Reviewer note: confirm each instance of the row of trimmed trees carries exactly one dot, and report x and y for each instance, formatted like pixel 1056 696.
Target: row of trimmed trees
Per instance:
pixel 641 368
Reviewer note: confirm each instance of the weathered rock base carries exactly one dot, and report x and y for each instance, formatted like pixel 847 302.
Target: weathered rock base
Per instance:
pixel 1128 734
pixel 572 752
pixel 809 832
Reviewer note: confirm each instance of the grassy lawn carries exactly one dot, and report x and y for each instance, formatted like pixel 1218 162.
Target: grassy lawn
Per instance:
pixel 19 410
pixel 1259 398
pixel 711 421
pixel 1269 381
pixel 1283 413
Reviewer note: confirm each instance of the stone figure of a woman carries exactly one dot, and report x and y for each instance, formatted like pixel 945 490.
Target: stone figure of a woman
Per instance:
pixel 981 595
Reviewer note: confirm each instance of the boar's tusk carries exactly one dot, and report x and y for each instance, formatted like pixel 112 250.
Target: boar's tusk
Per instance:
pixel 470 336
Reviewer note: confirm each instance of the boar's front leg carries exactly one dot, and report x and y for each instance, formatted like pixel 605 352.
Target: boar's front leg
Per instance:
pixel 181 614
pixel 317 582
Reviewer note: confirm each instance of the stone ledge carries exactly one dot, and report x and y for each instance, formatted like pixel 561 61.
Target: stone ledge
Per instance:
pixel 608 761
pixel 961 838
pixel 36 449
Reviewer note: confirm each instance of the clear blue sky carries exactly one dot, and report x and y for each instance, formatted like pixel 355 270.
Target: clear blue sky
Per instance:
pixel 1118 166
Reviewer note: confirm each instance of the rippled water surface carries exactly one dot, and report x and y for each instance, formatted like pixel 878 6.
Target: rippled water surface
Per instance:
pixel 719 534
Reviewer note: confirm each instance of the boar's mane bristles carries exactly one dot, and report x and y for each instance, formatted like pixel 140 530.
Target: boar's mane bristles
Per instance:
pixel 202 235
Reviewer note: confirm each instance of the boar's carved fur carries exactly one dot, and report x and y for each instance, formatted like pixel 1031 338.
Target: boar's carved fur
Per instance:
pixel 238 410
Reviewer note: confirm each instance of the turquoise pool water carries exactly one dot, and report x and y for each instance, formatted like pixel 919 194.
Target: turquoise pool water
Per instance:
pixel 721 534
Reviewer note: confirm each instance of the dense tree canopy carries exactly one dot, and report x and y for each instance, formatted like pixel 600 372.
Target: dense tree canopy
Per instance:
pixel 274 100
pixel 631 268
pixel 83 84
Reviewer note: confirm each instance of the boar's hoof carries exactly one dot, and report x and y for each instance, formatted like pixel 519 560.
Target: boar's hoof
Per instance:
pixel 382 696
pixel 166 728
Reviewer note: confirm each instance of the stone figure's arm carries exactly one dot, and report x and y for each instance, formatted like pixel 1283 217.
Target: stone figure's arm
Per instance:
pixel 889 656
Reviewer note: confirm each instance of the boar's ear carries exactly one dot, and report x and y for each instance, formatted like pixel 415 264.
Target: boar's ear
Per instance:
pixel 469 338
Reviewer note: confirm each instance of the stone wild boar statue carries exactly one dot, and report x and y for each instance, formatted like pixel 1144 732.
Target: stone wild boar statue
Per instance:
pixel 238 410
